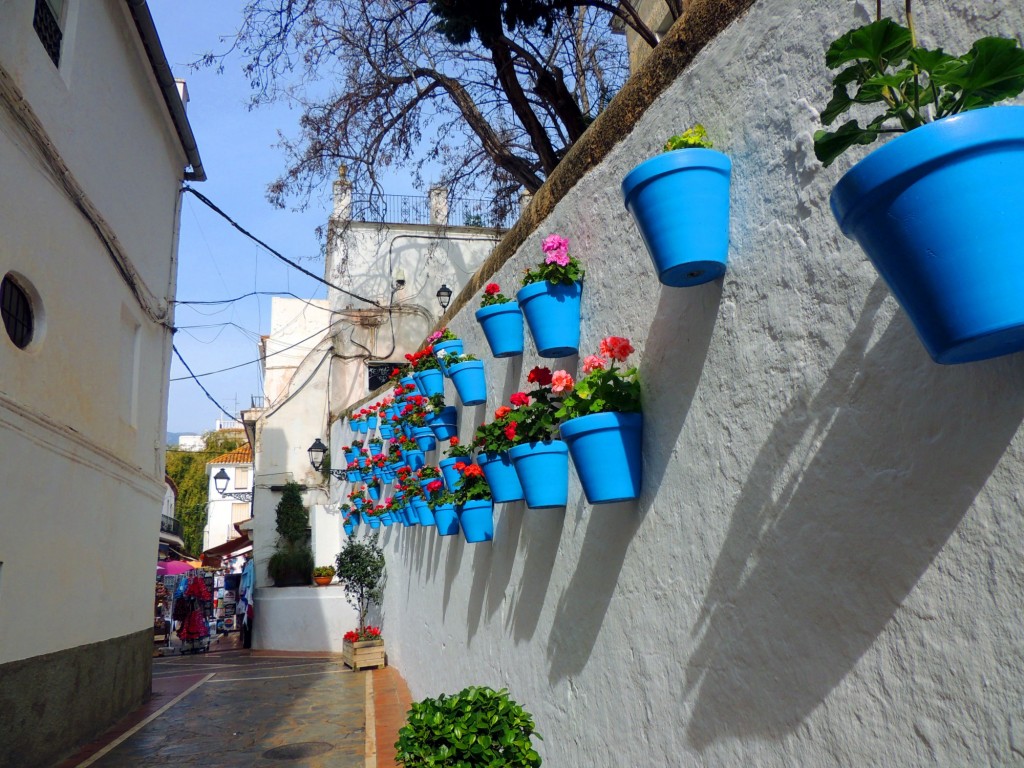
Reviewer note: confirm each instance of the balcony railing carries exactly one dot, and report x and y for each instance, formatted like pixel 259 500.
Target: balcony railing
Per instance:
pixel 170 525
pixel 461 212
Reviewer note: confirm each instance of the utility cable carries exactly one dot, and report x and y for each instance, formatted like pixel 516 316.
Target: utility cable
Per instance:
pixel 212 206
pixel 205 391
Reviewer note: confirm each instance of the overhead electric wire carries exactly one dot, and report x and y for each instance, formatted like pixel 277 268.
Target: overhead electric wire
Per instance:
pixel 205 391
pixel 213 207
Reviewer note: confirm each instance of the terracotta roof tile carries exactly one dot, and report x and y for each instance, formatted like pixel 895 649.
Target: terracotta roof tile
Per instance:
pixel 241 455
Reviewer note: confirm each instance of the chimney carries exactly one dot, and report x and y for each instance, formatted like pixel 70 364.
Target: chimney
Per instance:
pixel 438 206
pixel 342 194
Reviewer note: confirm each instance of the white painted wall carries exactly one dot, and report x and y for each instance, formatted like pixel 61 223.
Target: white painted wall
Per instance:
pixel 302 618
pixel 82 412
pixel 824 567
pixel 219 527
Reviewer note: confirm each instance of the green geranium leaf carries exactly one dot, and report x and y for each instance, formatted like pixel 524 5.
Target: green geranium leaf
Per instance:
pixel 829 145
pixel 882 43
pixel 993 70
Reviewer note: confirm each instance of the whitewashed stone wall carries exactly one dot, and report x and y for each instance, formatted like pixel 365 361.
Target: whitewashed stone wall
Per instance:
pixel 824 567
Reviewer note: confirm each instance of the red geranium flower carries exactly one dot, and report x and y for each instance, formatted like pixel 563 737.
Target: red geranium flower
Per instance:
pixel 492 289
pixel 502 411
pixel 454 440
pixel 519 398
pixel 473 470
pixel 540 376
pixel 434 486
pixel 510 431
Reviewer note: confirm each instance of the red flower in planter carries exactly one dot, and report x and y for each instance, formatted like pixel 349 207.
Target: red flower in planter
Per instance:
pixel 540 376
pixel 519 398
pixel 434 486
pixel 492 289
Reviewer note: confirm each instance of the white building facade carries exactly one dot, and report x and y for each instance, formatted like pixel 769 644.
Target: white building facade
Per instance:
pixel 94 146
pixel 232 505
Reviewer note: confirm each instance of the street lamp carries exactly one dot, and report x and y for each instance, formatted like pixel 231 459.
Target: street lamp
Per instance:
pixel 444 295
pixel 316 452
pixel 220 482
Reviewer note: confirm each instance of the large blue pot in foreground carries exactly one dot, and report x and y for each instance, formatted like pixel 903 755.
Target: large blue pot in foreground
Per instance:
pixel 470 382
pixel 553 314
pixel 501 476
pixel 446 519
pixel 502 324
pixel 543 470
pixel 680 202
pixel 940 213
pixel 431 382
pixel 606 451
pixel 477 521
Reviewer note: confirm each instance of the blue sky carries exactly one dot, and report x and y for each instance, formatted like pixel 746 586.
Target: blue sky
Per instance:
pixel 215 261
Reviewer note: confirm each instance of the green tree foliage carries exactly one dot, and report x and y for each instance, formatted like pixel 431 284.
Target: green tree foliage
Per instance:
pixel 292 516
pixel 361 571
pixel 188 471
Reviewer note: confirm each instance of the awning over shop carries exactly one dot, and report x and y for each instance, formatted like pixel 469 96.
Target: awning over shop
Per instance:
pixel 231 548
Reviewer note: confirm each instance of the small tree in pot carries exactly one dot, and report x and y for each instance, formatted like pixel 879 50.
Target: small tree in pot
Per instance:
pixel 292 562
pixel 361 571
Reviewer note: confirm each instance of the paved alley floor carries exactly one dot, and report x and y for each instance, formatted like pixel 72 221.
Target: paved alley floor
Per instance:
pixel 234 709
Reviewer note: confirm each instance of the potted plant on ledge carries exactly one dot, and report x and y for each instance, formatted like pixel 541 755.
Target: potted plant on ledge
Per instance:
pixel 323 575
pixel 361 571
pixel 937 209
pixel 680 202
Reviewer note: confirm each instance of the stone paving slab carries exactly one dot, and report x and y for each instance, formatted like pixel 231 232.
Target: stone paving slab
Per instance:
pixel 252 711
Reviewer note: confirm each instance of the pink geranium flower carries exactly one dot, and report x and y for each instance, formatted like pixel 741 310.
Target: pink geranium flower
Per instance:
pixel 617 348
pixel 594 363
pixel 561 381
pixel 557 250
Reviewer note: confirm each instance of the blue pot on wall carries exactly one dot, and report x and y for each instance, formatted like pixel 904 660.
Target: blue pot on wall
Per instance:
pixel 501 476
pixel 410 380
pixel 452 347
pixel 606 451
pixel 477 520
pixel 431 382
pixel 371 422
pixel 424 437
pixel 543 470
pixel 446 519
pixel 353 476
pixel 448 471
pixel 373 521
pixel 415 459
pixel 444 423
pixel 350 456
pixel 349 528
pixel 502 324
pixel 387 431
pixel 360 426
pixel 939 212
pixel 552 313
pixel 470 382
pixel 375 448
pixel 680 202
pixel 423 513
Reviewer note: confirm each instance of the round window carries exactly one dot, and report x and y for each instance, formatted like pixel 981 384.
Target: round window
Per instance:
pixel 16 308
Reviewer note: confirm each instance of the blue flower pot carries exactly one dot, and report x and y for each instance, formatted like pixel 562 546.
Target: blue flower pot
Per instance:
pixel 477 521
pixel 373 521
pixel 386 431
pixel 389 413
pixel 431 382
pixel 356 517
pixel 371 423
pixel 427 481
pixel 424 438
pixel 407 519
pixel 469 381
pixel 552 313
pixel 502 324
pixel 374 492
pixel 349 529
pixel 501 476
pixel 680 202
pixel 423 513
pixel 415 459
pixel 453 347
pixel 543 470
pixel 606 451
pixel 405 381
pixel 375 448
pixel 448 471
pixel 446 519
pixel 395 466
pixel 386 519
pixel 361 426
pixel 444 423
pixel 350 456
pixel 938 211
pixel 353 476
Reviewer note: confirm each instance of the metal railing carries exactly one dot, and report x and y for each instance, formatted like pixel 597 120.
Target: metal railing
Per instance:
pixel 170 524
pixel 461 212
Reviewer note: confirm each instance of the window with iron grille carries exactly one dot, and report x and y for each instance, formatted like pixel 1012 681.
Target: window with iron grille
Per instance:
pixel 17 312
pixel 46 22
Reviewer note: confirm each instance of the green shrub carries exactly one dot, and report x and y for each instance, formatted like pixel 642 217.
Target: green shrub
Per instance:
pixel 476 727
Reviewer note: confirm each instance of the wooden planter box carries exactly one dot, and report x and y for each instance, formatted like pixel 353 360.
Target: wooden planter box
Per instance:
pixel 363 654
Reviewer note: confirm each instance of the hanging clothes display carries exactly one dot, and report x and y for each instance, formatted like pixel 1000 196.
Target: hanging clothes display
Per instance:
pixel 194 632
